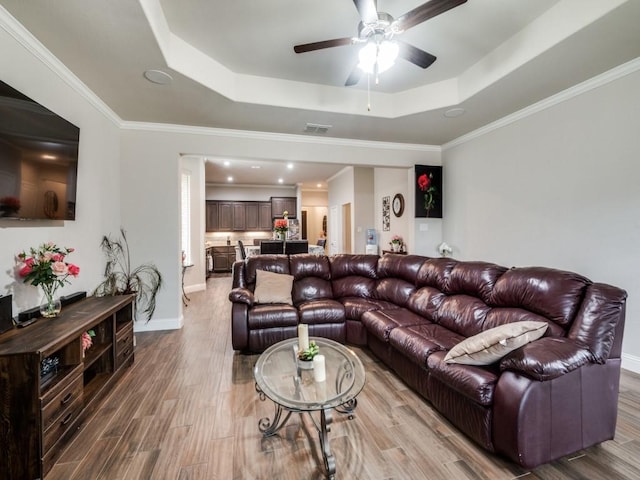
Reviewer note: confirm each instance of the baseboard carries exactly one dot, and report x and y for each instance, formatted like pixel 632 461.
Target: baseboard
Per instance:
pixel 631 362
pixel 198 287
pixel 156 325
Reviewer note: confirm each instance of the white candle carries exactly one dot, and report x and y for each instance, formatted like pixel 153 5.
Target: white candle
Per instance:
pixel 319 372
pixel 321 390
pixel 303 337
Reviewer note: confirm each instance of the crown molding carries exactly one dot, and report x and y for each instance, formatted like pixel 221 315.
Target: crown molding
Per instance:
pixel 30 43
pixel 280 137
pixel 571 92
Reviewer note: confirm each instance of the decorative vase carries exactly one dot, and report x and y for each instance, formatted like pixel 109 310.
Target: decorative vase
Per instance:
pixel 395 247
pixel 50 305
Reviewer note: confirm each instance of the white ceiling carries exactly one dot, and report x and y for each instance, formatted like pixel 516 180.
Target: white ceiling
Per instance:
pixel 233 64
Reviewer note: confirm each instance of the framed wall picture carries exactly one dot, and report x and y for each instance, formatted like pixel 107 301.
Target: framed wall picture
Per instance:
pixel 428 184
pixel 386 214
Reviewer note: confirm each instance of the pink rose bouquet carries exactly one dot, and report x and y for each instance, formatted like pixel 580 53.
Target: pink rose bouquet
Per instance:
pixel 46 266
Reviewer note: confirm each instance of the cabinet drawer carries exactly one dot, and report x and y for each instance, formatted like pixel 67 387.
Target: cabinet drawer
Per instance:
pixel 52 409
pixel 124 346
pixel 61 425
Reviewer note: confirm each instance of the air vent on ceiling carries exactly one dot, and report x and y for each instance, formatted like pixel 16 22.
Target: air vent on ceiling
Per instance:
pixel 316 128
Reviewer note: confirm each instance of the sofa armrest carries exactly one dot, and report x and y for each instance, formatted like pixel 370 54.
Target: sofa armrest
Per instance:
pixel 241 295
pixel 547 358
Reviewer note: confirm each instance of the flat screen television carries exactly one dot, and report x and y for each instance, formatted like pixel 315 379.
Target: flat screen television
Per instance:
pixel 38 160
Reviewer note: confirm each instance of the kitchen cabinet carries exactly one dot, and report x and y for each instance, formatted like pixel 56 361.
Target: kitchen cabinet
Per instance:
pixel 252 215
pixel 223 258
pixel 239 216
pixel 211 216
pixel 238 219
pixel 265 216
pixel 225 216
pixel 279 205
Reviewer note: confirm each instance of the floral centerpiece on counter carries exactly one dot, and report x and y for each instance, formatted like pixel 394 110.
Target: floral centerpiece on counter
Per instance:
pixel 396 243
pixel 425 184
pixel 45 267
pixel 281 226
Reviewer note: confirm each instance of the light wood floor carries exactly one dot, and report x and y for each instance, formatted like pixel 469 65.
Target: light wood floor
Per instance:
pixel 187 409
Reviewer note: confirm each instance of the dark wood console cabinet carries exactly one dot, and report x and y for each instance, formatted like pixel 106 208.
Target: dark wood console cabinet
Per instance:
pixel 41 410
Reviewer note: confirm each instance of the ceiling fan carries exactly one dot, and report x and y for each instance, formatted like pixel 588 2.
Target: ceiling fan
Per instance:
pixel 379 31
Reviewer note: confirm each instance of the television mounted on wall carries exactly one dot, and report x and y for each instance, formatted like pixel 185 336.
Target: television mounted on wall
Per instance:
pixel 38 160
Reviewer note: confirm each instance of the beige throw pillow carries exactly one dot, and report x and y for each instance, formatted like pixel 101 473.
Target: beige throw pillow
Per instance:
pixel 273 287
pixel 491 345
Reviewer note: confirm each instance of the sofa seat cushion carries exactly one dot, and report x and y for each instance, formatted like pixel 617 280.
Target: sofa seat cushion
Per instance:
pixel 321 311
pixel 380 322
pixel 419 341
pixel 475 383
pixel 354 307
pixel 272 315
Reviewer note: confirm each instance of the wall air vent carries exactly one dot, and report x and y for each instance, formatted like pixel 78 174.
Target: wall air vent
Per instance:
pixel 316 128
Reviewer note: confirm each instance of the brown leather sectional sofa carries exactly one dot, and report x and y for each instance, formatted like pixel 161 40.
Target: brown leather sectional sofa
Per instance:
pixel 550 398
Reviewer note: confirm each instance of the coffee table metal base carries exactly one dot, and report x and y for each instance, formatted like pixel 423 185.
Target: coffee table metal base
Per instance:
pixel 270 427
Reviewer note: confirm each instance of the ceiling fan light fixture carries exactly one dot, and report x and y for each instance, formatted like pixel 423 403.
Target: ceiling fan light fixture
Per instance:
pixel 382 54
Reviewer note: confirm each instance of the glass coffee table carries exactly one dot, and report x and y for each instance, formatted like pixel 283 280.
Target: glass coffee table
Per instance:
pixel 289 383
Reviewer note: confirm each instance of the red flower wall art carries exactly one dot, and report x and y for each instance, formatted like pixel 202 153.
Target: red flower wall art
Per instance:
pixel 428 191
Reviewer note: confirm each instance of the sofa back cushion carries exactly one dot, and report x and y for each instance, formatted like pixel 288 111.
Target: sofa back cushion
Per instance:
pixel 435 273
pixel 397 277
pixel 312 275
pixel 476 279
pixel 353 275
pixel 468 287
pixel 553 294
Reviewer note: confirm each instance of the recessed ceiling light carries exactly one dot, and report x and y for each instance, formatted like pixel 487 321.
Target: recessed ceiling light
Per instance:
pixel 229 179
pixel 256 167
pixel 46 156
pixel 280 180
pixel 158 76
pixel 454 112
pixel 290 166
pixel 226 163
pixel 319 185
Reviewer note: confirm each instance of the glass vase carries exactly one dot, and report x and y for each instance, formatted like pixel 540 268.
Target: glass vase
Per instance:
pixel 50 305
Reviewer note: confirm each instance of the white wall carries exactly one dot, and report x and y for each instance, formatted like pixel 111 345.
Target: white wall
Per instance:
pixel 557 188
pixel 387 183
pixel 362 210
pixel 195 276
pixel 151 186
pixel 31 69
pixel 340 193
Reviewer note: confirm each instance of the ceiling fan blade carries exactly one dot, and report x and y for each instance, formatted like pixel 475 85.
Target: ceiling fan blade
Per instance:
pixel 425 12
pixel 309 47
pixel 415 55
pixel 354 77
pixel 368 10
